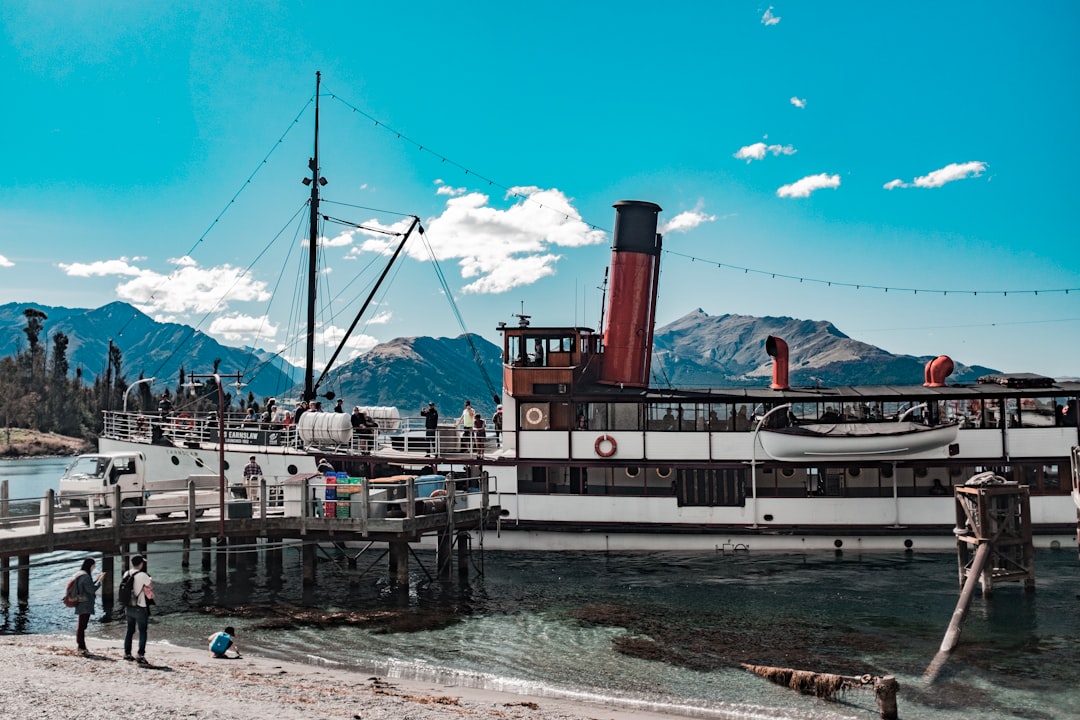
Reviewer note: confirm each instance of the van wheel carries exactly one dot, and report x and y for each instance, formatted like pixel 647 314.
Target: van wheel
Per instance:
pixel 162 516
pixel 85 519
pixel 129 512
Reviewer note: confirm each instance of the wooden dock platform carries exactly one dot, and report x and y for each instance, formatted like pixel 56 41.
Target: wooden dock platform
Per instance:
pixel 391 513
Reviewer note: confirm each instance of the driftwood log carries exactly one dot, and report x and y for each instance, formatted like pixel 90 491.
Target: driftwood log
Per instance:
pixel 828 685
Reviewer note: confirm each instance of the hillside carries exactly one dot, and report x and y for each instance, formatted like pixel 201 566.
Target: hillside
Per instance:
pixel 696 351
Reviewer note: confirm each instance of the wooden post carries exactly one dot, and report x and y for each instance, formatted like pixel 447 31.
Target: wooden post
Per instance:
pixel 885 689
pixel 22 589
pixel 47 518
pixel 399 561
pixel 185 556
pixel 107 583
pixel 309 561
pixel 464 548
pixel 205 554
pixel 444 554
pixel 221 561
pixel 5 576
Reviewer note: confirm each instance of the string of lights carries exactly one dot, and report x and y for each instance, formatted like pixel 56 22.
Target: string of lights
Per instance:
pixel 829 283
pixel 871 286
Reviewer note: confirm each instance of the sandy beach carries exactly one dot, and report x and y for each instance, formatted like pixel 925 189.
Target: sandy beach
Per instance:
pixel 45 677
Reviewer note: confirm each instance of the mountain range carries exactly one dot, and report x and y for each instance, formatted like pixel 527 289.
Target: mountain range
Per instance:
pixel 696 351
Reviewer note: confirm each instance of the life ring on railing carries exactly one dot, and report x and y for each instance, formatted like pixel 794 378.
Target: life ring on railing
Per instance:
pixel 184 421
pixel 438 493
pixel 534 416
pixel 605 452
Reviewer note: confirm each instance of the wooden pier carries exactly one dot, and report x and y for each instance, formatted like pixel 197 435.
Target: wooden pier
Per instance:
pixel 389 513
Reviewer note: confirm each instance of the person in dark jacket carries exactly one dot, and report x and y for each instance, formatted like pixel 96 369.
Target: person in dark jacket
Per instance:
pixel 86 587
pixel 431 424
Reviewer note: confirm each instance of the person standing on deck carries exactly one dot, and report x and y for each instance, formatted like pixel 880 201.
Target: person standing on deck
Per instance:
pixel 338 407
pixel 86 587
pixel 431 425
pixel 496 424
pixel 466 421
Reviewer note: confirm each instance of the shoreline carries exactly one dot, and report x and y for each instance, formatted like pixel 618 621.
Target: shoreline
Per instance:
pixel 46 671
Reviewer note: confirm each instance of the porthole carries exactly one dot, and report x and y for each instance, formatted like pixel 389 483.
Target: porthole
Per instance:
pixel 854 472
pixel 632 472
pixel 788 472
pixel 886 472
pixel 199 462
pixel 908 544
pixel 226 464
pixel 291 469
pixel 956 471
pixel 767 518
pixel 663 472
pixel 838 543
pixel 920 472
pixel 175 460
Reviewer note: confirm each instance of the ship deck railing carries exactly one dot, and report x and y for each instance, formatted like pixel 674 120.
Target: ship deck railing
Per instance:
pixel 199 429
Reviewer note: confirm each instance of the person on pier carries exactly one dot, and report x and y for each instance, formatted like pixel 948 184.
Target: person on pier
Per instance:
pixel 86 587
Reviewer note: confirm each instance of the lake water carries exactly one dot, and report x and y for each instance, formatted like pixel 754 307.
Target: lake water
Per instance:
pixel 657 630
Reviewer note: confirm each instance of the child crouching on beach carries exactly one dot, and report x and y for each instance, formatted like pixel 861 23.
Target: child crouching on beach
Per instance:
pixel 222 641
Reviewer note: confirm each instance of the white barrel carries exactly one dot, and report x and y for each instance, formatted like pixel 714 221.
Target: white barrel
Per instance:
pixel 324 428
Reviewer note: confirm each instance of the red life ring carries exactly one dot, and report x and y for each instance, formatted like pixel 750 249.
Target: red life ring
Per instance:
pixel 438 493
pixel 184 421
pixel 610 450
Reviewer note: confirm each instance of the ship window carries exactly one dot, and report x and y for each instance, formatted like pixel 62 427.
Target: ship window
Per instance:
pixel 615 416
pixel 663 472
pixel 632 472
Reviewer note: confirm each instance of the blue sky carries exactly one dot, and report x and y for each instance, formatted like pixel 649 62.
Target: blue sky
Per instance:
pixel 909 146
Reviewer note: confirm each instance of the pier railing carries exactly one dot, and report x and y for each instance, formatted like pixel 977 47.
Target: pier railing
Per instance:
pixel 317 502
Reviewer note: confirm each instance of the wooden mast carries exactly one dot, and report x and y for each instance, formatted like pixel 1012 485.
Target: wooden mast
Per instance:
pixel 313 254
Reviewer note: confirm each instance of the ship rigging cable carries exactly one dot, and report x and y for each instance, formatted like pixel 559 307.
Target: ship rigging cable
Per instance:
pixel 461 321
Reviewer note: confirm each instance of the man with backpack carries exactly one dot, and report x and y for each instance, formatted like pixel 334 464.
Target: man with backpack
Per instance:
pixel 80 594
pixel 136 595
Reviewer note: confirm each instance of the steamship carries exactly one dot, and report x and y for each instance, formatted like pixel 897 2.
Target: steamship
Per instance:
pixel 590 457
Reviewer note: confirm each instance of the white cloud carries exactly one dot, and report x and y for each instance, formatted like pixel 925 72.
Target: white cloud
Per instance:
pixel 189 288
pixel 951 172
pixel 498 249
pixel 381 318
pixel 798 102
pixel 357 345
pixel 101 268
pixel 451 191
pixel 686 221
pixel 342 239
pixel 937 178
pixel 810 183
pixel 768 18
pixel 238 328
pixel 757 151
pixel 4 262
